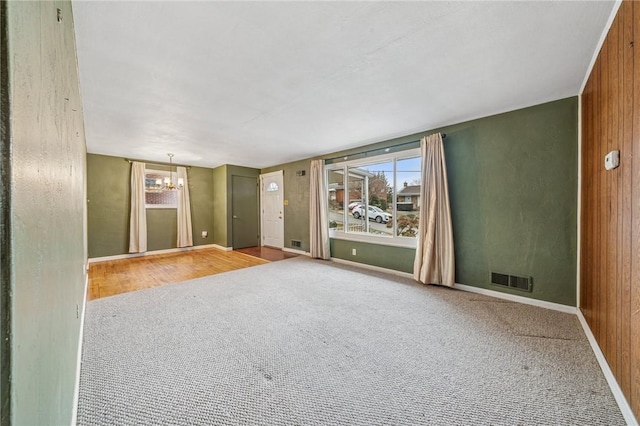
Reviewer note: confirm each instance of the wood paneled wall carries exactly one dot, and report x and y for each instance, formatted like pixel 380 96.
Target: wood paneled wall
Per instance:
pixel 610 210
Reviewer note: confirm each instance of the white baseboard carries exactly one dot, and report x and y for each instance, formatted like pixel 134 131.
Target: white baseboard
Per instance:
pixel 520 299
pixel 471 289
pixel 300 252
pixel 76 389
pixel 152 253
pixel 627 413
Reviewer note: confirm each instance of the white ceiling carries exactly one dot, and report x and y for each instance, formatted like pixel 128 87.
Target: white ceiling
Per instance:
pixel 264 83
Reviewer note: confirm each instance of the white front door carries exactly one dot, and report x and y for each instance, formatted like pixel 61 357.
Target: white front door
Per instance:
pixel 272 217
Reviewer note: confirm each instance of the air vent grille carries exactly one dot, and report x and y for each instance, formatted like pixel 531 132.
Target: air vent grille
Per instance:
pixel 512 281
pixel 296 243
pixel 500 279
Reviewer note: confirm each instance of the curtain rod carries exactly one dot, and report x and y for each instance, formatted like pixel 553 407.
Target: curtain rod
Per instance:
pixel 157 164
pixel 444 135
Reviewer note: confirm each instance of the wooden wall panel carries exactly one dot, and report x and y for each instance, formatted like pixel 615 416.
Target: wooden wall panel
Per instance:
pixel 610 210
pixel 635 218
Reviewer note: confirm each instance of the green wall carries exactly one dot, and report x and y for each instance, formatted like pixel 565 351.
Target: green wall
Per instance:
pixel 396 258
pixel 109 201
pixel 44 197
pixel 220 210
pixel 201 195
pixel 108 205
pixel 513 189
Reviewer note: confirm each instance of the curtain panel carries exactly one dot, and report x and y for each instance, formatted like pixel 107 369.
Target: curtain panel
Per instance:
pixel 185 232
pixel 434 261
pixel 319 205
pixel 138 217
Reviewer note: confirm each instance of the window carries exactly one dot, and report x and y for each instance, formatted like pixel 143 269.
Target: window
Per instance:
pixel 155 194
pixel 376 199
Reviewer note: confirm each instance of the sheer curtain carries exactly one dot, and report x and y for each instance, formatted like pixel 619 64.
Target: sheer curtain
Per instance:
pixel 185 236
pixel 318 221
pixel 138 219
pixel 434 262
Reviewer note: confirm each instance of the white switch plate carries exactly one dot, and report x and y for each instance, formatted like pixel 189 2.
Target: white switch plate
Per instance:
pixel 612 160
pixel 204 234
pixel 353 252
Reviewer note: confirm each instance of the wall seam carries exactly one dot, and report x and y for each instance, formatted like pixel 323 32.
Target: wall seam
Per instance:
pixel 5 223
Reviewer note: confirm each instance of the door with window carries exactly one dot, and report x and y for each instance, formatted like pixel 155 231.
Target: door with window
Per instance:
pixel 272 215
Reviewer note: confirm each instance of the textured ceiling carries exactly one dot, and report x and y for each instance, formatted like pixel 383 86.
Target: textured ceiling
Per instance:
pixel 263 83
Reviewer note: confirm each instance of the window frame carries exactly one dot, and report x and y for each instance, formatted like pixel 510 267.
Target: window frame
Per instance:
pixel 393 240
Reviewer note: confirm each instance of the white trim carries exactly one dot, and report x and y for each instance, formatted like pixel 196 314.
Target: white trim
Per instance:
pixel 151 253
pixel 516 298
pixel 76 388
pixel 579 198
pixel 300 252
pixel 603 37
pixel 391 241
pixel 161 206
pixel 627 413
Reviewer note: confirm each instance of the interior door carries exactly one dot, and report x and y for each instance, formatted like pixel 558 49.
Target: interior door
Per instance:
pixel 244 208
pixel 272 201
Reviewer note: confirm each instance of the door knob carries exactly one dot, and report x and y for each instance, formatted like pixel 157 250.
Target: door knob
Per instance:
pixel 235 217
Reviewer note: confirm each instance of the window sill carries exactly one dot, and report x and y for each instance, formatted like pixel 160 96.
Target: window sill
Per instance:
pixel 371 239
pixel 160 206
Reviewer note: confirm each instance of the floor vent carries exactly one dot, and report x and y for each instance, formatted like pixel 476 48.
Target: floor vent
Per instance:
pixel 512 281
pixel 296 243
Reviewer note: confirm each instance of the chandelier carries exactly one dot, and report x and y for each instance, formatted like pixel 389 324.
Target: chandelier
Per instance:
pixel 168 184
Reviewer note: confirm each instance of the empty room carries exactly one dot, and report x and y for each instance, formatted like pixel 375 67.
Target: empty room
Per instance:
pixel 320 213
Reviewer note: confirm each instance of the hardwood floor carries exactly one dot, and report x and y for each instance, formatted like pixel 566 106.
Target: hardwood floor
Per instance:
pixel 121 276
pixel 267 253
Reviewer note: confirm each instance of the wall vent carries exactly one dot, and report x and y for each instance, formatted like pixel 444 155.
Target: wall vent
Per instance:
pixel 296 243
pixel 500 279
pixel 512 281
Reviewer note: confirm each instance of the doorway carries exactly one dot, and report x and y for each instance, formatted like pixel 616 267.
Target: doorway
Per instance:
pixel 244 211
pixel 272 202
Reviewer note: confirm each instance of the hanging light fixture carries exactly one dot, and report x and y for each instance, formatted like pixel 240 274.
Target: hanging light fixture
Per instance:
pixel 168 181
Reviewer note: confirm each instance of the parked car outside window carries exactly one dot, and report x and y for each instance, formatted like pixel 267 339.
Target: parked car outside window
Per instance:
pixel 354 204
pixel 375 213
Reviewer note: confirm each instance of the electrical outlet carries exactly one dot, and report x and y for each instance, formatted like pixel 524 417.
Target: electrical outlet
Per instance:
pixel 353 252
pixel 204 234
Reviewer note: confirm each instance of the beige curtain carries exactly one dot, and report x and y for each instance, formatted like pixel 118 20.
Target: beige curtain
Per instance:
pixel 318 219
pixel 185 235
pixel 434 262
pixel 138 219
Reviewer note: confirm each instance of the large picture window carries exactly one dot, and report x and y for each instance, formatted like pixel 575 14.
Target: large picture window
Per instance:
pixel 377 199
